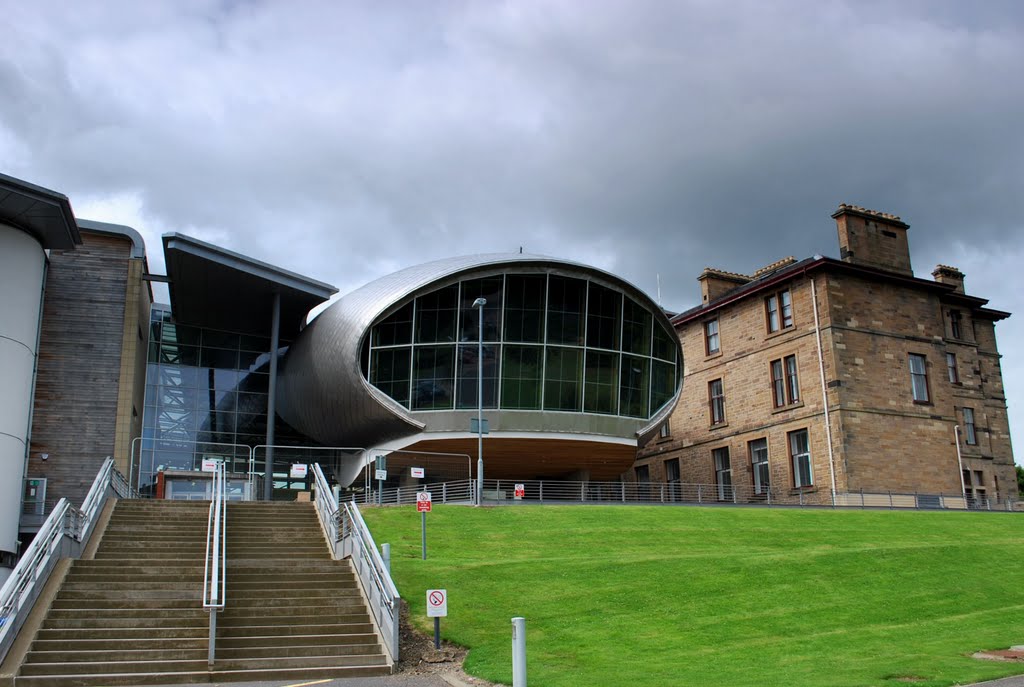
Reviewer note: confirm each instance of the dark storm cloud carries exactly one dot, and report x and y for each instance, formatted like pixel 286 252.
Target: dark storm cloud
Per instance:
pixel 344 140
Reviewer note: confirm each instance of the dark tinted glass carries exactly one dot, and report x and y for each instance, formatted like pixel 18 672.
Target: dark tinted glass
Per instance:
pixel 566 298
pixel 435 315
pixel 604 311
pixel 524 307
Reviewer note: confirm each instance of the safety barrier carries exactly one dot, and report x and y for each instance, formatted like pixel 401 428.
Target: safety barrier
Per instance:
pixel 62 535
pixel 215 566
pixel 499 492
pixel 352 539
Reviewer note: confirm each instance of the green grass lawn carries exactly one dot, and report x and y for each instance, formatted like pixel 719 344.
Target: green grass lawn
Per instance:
pixel 718 596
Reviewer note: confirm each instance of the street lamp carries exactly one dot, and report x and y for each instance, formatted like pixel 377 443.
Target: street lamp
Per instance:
pixel 480 303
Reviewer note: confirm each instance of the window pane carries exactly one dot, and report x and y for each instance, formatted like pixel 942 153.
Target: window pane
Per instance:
pixel 711 337
pixel 792 385
pixel 433 371
pixel 604 308
pixel 636 328
pixel 390 372
pixel 435 315
pixel 602 374
pixel 468 371
pixel 666 344
pixel 778 385
pixel 395 329
pixel 563 378
pixel 634 386
pixel 663 384
pixel 490 289
pixel 521 377
pixel 918 377
pixel 565 310
pixel 524 307
pixel 772 305
pixel 787 309
pixel 672 470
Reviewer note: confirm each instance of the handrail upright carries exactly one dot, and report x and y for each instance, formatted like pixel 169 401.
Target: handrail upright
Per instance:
pixel 214 565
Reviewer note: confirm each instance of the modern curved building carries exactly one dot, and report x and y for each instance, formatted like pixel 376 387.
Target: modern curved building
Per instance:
pixel 577 365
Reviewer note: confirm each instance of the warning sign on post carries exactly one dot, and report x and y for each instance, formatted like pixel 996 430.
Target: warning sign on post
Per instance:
pixel 437 603
pixel 520 491
pixel 423 502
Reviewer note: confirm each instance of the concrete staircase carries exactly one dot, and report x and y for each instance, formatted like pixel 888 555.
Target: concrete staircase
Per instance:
pixel 133 614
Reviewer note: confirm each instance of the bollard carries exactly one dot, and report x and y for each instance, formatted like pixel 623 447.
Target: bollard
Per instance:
pixel 518 652
pixel 385 553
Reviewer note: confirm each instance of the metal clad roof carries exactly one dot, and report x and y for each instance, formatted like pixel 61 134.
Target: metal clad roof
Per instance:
pixel 43 213
pixel 218 288
pixel 322 391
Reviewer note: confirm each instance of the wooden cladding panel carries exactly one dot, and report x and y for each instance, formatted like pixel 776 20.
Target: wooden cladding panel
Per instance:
pixel 79 364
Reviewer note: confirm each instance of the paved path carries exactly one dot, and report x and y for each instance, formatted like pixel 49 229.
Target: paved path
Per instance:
pixel 400 680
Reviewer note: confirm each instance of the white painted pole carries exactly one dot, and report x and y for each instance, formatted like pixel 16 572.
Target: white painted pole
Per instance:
pixel 518 652
pixel 385 553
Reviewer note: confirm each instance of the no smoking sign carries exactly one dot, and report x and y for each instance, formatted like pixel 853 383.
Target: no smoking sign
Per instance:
pixel 437 603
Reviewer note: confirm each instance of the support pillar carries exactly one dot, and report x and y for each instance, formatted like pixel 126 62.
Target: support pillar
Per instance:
pixel 268 464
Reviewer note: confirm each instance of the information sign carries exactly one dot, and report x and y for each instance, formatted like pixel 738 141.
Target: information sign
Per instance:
pixel 380 475
pixel 417 473
pixel 520 491
pixel 298 471
pixel 210 464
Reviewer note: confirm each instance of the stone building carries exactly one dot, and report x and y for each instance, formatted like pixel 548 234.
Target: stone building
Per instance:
pixel 847 376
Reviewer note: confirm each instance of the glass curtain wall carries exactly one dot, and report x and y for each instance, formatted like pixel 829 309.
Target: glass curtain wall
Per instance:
pixel 206 396
pixel 550 342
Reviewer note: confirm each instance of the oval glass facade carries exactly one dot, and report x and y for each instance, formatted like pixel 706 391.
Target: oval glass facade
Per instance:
pixel 550 342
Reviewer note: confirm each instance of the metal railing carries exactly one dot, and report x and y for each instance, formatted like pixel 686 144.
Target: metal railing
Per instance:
pixel 497 492
pixel 215 567
pixel 63 534
pixel 352 539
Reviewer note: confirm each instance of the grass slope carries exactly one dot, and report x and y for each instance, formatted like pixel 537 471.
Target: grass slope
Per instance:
pixel 718 596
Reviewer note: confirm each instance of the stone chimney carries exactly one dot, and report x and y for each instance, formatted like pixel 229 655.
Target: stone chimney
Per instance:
pixel 944 274
pixel 872 238
pixel 715 283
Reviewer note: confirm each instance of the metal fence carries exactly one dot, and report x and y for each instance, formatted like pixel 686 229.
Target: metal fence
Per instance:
pixel 503 492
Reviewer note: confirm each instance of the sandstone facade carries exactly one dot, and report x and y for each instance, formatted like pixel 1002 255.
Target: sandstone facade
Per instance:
pixel 866 366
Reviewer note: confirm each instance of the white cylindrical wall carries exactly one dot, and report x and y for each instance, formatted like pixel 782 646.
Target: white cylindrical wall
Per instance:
pixel 22 269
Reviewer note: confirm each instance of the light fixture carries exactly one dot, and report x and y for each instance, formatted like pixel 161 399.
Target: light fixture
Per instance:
pixel 480 303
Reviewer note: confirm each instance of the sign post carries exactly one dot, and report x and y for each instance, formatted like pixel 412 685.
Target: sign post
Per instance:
pixel 437 608
pixel 423 504
pixel 381 474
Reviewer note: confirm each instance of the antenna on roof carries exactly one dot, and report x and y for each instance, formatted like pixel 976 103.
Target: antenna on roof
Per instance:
pixel 520 250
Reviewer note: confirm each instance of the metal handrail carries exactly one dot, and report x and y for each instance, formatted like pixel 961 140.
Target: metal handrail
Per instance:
pixel 348 533
pixel 498 492
pixel 326 508
pixel 354 525
pixel 65 528
pixel 215 564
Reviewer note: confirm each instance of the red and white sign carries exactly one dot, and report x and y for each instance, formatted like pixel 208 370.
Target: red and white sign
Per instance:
pixel 437 603
pixel 210 464
pixel 520 491
pixel 417 473
pixel 298 471
pixel 423 502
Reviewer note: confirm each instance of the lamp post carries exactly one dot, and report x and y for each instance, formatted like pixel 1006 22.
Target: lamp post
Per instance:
pixel 480 303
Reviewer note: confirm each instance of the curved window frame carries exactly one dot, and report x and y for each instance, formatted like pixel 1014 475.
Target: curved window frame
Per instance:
pixel 639 340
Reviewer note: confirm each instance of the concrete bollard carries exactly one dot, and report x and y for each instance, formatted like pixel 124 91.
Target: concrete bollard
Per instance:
pixel 385 553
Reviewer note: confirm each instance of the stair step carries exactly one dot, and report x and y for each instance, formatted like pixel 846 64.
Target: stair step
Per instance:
pixel 196 677
pixel 284 630
pixel 168 632
pixel 199 620
pixel 278 641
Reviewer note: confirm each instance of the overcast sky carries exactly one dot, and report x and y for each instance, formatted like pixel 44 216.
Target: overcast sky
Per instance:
pixel 345 140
